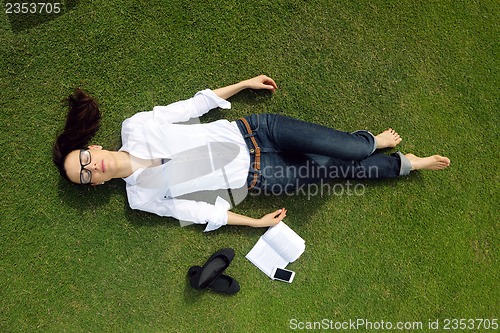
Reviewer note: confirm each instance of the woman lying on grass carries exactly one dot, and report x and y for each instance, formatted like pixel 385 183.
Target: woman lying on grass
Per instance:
pixel 163 161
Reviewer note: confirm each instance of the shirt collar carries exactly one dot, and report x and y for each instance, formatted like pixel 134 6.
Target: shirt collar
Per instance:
pixel 132 179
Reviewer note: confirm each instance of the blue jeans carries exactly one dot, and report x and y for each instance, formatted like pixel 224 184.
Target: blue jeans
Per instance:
pixel 295 153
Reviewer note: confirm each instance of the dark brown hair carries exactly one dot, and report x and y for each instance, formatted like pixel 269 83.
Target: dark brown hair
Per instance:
pixel 82 122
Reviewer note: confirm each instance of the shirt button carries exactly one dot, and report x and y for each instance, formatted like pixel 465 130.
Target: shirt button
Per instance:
pixel 252 151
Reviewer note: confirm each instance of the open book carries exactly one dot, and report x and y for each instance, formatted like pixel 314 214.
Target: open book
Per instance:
pixel 279 246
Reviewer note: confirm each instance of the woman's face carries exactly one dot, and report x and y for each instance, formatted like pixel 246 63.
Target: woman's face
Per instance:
pixel 90 166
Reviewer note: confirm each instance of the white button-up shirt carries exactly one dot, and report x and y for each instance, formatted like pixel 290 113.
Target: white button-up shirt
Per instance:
pixel 157 134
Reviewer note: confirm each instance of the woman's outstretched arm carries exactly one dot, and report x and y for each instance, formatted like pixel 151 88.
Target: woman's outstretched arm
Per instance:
pixel 258 82
pixel 265 221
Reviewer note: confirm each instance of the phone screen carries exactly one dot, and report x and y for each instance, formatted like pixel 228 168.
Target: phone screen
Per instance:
pixel 282 274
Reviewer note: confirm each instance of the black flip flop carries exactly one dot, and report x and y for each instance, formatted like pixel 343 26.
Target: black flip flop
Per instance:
pixel 224 284
pixel 212 269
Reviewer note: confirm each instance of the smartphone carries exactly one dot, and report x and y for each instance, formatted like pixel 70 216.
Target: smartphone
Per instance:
pixel 282 274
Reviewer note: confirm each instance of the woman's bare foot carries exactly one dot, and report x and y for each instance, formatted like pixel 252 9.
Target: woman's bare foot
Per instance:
pixel 435 162
pixel 388 139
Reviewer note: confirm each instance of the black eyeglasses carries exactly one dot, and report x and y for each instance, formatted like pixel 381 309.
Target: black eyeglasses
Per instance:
pixel 85 159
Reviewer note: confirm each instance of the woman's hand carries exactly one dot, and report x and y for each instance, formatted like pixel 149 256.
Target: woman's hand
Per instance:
pixel 271 218
pixel 261 82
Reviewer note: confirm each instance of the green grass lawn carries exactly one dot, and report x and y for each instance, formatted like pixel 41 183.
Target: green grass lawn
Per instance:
pixel 422 248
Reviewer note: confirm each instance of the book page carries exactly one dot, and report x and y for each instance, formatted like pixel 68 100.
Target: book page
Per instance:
pixel 265 257
pixel 285 241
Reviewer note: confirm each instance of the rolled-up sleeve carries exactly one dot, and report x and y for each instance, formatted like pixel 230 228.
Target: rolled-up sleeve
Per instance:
pixel 215 216
pixel 193 107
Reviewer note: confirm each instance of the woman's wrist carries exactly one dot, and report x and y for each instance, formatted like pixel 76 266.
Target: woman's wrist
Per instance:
pixel 245 84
